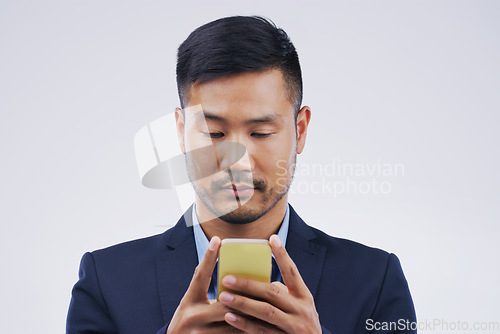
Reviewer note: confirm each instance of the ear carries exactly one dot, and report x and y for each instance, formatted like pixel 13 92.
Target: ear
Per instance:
pixel 303 119
pixel 179 123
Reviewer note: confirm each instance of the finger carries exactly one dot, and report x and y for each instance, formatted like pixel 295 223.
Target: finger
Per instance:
pixel 218 328
pixel 248 325
pixel 200 282
pixel 280 286
pixel 289 270
pixel 275 294
pixel 255 308
pixel 204 314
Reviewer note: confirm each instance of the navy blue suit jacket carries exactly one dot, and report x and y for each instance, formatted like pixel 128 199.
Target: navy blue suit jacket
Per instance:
pixel 135 287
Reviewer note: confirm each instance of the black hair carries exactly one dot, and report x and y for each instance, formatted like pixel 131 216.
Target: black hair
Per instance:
pixel 234 45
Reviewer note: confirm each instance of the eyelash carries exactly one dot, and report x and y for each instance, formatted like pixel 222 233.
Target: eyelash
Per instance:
pixel 218 135
pixel 261 135
pixel 213 134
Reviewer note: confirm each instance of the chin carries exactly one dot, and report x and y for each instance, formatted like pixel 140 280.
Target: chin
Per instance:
pixel 243 215
pixel 246 214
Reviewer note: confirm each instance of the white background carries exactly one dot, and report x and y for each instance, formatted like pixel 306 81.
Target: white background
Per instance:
pixel 408 82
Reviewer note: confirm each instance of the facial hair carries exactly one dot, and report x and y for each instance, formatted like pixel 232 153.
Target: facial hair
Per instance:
pixel 243 214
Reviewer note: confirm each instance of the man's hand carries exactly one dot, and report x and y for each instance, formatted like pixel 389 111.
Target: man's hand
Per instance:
pixel 281 308
pixel 195 313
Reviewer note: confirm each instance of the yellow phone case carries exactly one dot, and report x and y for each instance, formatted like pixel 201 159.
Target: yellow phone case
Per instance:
pixel 249 258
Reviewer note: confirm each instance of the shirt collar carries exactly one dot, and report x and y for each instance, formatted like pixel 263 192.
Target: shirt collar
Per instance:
pixel 202 241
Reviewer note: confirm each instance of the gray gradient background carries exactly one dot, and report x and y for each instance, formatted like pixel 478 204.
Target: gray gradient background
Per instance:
pixel 411 82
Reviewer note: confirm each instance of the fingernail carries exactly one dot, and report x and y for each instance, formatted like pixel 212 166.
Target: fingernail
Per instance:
pixel 231 317
pixel 226 297
pixel 229 280
pixel 276 241
pixel 211 246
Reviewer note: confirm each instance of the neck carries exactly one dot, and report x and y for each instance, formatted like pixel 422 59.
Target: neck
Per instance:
pixel 261 228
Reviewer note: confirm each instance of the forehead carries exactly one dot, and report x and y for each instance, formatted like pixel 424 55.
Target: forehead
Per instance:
pixel 243 96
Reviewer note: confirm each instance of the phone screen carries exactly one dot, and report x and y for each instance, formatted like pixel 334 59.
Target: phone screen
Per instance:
pixel 249 258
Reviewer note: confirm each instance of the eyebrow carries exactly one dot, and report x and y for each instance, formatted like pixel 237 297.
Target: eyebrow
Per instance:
pixel 264 119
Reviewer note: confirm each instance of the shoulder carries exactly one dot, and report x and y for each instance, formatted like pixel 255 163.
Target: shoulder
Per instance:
pixel 357 262
pixel 337 249
pixel 365 282
pixel 139 247
pixel 353 265
pixel 349 249
pixel 133 253
pixel 352 268
pixel 130 247
pixel 126 265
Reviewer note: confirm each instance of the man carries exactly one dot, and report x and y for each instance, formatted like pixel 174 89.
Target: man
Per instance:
pixel 239 81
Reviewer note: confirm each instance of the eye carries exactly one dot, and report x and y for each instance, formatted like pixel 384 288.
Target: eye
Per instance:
pixel 215 135
pixel 261 135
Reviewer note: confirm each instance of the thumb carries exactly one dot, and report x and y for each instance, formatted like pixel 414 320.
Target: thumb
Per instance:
pixel 200 282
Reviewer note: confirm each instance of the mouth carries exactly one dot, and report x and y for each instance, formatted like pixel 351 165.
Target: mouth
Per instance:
pixel 238 190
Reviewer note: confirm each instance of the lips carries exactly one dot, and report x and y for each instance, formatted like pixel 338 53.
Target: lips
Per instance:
pixel 238 187
pixel 238 190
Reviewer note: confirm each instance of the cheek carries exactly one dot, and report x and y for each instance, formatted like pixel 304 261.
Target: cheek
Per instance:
pixel 274 159
pixel 194 139
pixel 282 144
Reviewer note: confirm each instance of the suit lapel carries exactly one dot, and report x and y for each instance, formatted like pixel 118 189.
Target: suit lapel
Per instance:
pixel 304 251
pixel 175 261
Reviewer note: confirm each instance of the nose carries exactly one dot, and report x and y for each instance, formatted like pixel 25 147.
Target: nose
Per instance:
pixel 243 164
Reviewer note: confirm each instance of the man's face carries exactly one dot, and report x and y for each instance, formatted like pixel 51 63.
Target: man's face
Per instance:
pixel 251 109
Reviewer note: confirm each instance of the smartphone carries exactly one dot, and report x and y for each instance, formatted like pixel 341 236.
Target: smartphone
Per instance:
pixel 249 258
